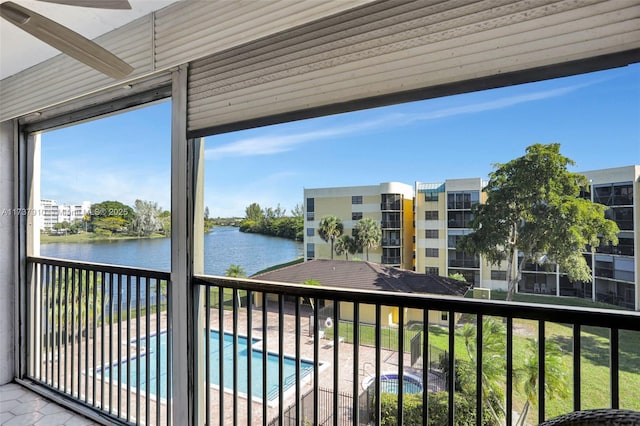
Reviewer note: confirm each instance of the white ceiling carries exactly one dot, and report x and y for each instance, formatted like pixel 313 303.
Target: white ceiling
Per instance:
pixel 20 50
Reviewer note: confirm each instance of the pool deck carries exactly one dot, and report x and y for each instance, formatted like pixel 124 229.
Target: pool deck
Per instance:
pixel 345 350
pixel 120 399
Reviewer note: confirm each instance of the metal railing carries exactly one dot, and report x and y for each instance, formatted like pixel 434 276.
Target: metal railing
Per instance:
pixel 289 363
pixel 98 335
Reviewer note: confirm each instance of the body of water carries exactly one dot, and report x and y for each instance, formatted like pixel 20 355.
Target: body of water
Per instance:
pixel 222 247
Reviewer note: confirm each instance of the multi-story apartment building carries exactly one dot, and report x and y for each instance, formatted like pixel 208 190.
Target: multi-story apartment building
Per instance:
pixel 391 204
pixel 615 275
pixel 53 213
pixel 49 214
pixel 441 214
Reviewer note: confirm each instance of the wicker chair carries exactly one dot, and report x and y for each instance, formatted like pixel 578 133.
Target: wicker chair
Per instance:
pixel 599 417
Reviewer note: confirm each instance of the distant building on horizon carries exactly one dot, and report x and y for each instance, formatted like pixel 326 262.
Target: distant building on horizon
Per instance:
pixel 52 213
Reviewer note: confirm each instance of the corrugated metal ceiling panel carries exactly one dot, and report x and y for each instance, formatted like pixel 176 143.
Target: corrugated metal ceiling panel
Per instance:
pixel 390 47
pixel 62 78
pixel 158 42
pixel 204 27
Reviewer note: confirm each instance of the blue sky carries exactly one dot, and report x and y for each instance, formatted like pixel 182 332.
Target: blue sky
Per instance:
pixel 595 117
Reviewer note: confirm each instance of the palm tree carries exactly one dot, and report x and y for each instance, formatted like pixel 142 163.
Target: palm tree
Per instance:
pixel 346 245
pixel 329 229
pixel 555 376
pixel 235 271
pixel 368 234
pixel 311 282
pixel 493 363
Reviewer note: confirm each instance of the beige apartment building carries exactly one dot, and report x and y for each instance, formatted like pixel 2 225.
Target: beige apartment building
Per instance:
pixel 422 225
pixel 390 204
pixel 443 215
pixel 615 269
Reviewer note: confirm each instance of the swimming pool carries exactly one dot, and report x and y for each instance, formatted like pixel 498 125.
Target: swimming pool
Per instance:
pixel 289 367
pixel 390 383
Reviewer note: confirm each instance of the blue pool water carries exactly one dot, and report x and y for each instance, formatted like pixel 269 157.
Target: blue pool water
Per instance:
pixel 390 383
pixel 289 367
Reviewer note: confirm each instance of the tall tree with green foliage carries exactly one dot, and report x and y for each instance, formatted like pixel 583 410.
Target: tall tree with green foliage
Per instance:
pixel 533 209
pixel 527 376
pixel 493 363
pixel 345 244
pixel 368 234
pixel 110 217
pixel 254 212
pixel 147 218
pixel 329 229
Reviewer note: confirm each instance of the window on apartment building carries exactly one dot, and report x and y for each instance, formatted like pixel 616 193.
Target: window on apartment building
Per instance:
pixel 431 252
pixel 431 215
pixel 444 316
pixel 391 256
pixel 391 202
pixel 356 215
pixel 459 219
pixel 431 233
pixel 311 209
pixel 454 235
pixel 498 275
pixel 310 232
pixel 356 199
pixel 624 247
pixel 390 238
pixel 431 196
pixel 311 250
pixel 462 200
pixel 615 194
pixel 623 216
pixel 460 259
pixel 434 270
pixel 391 220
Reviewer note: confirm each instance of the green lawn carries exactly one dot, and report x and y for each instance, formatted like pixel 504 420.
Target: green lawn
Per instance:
pixel 89 237
pixel 553 300
pixel 594 360
pixel 594 364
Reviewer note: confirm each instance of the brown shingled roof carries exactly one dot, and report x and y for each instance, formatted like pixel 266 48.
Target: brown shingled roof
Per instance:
pixel 365 276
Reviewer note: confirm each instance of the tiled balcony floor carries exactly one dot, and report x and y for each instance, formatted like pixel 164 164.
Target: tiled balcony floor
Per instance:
pixel 19 406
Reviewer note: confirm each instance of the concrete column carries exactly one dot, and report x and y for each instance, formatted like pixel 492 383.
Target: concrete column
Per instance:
pixel 178 323
pixel 8 253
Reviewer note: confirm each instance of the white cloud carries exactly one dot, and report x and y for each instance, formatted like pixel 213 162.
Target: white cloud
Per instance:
pixel 274 144
pixel 493 105
pixel 70 182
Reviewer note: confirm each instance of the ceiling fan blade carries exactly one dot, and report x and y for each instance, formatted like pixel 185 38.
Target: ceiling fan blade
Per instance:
pixel 100 4
pixel 65 40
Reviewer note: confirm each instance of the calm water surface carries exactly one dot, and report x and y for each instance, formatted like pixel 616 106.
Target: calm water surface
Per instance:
pixel 222 247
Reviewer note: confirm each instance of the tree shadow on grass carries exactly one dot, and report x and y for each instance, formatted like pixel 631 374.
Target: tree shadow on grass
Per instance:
pixel 594 346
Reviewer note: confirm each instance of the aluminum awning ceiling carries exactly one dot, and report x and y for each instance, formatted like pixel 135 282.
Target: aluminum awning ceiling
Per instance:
pixel 390 51
pixel 254 63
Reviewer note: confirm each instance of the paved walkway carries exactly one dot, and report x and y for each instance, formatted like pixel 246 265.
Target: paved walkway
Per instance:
pixel 20 407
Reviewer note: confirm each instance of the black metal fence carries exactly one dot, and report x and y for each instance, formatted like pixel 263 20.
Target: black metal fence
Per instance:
pixel 377 342
pixel 97 334
pixel 325 409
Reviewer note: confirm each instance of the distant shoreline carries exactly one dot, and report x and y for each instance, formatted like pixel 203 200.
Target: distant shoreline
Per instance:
pixel 90 237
